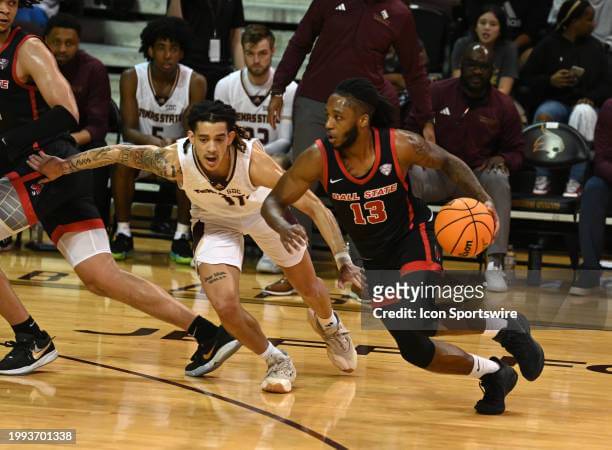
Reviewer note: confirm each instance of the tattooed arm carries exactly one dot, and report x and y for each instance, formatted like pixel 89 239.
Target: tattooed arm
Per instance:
pixel 412 149
pixel 163 162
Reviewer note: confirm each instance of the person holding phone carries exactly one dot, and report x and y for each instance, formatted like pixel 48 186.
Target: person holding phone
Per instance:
pixel 567 75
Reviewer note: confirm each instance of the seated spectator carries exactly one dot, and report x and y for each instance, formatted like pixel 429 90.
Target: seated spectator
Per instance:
pixel 248 92
pixel 480 125
pixel 154 98
pixel 596 202
pixel 89 81
pixel 567 76
pixel 490 30
pixel 33 16
pixel 603 19
pixel 526 19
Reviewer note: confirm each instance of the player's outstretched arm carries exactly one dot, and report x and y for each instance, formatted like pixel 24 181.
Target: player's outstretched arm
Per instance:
pixel 287 189
pixel 412 149
pixel 163 162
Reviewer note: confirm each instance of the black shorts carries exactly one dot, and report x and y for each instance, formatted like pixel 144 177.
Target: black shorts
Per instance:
pixel 61 206
pixel 417 251
pixel 415 261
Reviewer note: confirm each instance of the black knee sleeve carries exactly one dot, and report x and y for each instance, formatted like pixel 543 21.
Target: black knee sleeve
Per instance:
pixel 415 346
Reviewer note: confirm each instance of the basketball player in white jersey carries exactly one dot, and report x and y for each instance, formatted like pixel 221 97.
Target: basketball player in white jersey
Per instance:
pixel 248 92
pixel 227 177
pixel 154 97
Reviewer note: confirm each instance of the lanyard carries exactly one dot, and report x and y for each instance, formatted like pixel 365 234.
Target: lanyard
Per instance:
pixel 215 14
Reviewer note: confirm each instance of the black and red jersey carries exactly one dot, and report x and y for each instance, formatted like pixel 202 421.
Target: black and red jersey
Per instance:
pixel 378 210
pixel 20 103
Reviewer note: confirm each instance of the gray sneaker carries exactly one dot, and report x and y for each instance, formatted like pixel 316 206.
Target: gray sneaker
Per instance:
pixel 495 277
pixel 280 376
pixel 340 349
pixel 266 265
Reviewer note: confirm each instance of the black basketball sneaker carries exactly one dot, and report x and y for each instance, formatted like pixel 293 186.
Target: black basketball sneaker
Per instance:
pixel 516 338
pixel 121 246
pixel 209 357
pixel 496 386
pixel 28 354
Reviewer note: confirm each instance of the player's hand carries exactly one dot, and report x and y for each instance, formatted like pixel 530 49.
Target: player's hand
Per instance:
pixel 429 133
pixel 351 274
pixel 294 237
pixel 51 167
pixel 491 207
pixel 494 163
pixel 274 110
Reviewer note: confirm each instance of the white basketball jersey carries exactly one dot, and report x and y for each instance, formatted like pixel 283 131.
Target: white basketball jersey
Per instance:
pixel 239 198
pixel 252 107
pixel 162 120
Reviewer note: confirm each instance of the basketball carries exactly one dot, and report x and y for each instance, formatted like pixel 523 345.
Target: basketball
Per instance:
pixel 464 227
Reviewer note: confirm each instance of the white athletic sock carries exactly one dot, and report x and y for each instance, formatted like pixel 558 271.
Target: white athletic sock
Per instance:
pixel 330 322
pixel 483 366
pixel 181 230
pixel 270 351
pixel 493 325
pixel 124 228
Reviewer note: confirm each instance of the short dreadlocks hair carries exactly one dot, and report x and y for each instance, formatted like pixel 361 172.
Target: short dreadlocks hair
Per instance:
pixel 174 29
pixel 214 112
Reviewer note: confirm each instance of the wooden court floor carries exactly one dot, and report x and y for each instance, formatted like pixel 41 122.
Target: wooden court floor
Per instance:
pixel 119 381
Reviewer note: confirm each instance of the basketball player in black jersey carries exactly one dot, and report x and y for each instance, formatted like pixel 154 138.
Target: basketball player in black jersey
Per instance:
pixel 363 166
pixel 36 107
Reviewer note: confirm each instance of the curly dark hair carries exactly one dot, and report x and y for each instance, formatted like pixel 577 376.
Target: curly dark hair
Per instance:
pixel 174 29
pixel 214 112
pixel 28 3
pixel 62 20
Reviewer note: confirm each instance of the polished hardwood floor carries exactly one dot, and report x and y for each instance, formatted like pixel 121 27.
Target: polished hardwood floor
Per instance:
pixel 119 381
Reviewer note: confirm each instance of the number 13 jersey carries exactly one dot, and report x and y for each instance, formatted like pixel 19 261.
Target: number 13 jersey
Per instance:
pixel 231 199
pixel 377 210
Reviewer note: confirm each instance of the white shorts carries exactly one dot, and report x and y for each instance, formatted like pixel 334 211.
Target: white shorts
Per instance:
pixel 222 241
pixel 81 245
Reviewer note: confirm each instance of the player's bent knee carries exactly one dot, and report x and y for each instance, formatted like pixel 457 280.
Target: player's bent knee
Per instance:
pixel 415 347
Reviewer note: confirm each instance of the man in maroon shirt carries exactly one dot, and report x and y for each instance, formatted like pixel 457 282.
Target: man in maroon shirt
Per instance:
pixel 596 202
pixel 89 81
pixel 481 126
pixel 352 39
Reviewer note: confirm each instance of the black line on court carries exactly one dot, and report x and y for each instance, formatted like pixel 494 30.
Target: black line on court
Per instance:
pixel 238 403
pixel 557 365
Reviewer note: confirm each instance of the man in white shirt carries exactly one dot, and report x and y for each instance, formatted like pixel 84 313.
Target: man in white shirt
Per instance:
pixel 248 91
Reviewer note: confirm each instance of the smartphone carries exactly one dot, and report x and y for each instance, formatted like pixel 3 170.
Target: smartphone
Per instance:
pixel 577 71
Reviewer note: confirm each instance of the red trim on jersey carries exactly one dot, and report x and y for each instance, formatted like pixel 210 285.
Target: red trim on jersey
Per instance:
pixel 24 197
pixel 324 173
pixel 374 168
pixel 415 266
pixel 402 177
pixel 425 241
pixel 396 164
pixel 75 227
pixel 29 87
pixel 10 39
pixel 410 214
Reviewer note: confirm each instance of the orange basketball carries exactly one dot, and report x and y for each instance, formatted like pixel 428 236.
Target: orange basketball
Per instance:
pixel 464 227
